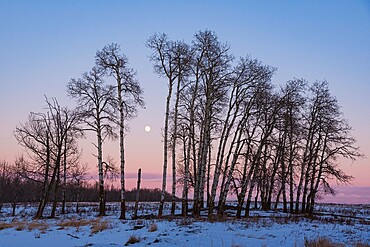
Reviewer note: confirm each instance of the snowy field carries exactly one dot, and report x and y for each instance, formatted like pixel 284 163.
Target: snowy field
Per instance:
pixel 345 224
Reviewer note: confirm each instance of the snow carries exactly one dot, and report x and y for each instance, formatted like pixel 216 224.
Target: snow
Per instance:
pixel 263 229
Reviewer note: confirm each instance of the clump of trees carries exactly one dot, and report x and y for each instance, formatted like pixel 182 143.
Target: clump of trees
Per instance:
pixel 50 141
pixel 103 106
pixel 230 130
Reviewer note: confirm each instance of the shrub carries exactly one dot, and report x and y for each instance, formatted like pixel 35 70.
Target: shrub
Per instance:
pixel 153 227
pixel 132 240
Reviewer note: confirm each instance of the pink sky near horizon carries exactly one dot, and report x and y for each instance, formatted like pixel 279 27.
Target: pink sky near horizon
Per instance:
pixel 44 45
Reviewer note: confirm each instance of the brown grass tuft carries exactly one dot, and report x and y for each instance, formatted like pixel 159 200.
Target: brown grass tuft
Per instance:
pixel 77 223
pixel 4 225
pixel 153 227
pixel 19 225
pixel 98 226
pixel 321 242
pixel 133 239
pixel 42 226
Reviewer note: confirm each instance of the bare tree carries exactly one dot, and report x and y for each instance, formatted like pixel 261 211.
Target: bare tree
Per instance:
pixel 213 70
pixel 163 61
pixel 44 136
pixel 182 60
pixel 330 139
pixel 77 175
pixel 272 143
pixel 129 96
pixel 293 102
pixel 94 99
pixel 248 76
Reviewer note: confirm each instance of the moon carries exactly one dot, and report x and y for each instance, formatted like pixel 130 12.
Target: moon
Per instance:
pixel 147 128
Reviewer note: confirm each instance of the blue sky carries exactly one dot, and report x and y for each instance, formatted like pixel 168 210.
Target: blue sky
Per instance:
pixel 43 44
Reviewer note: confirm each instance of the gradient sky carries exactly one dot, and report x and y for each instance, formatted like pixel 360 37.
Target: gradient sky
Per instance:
pixel 43 44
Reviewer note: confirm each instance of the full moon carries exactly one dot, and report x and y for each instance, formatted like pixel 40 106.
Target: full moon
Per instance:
pixel 147 128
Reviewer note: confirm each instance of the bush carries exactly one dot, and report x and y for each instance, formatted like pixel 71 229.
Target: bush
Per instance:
pixel 132 240
pixel 153 227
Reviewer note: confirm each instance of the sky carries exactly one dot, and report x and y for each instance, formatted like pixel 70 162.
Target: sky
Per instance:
pixel 43 44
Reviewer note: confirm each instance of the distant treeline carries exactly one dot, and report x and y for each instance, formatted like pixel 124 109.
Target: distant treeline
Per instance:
pixel 17 190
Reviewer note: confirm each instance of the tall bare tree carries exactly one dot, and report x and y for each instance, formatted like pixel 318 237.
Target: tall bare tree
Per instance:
pixel 214 62
pixel 247 77
pixel 94 100
pixel 329 138
pixel 129 95
pixel 164 63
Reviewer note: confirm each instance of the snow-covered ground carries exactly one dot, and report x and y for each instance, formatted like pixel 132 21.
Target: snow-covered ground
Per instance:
pixel 348 224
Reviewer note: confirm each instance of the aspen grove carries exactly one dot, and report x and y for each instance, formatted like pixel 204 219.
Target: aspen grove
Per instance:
pixel 231 131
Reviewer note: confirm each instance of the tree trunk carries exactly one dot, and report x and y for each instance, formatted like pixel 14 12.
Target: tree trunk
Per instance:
pixel 45 186
pixel 250 192
pixel 64 176
pixel 221 152
pixel 174 140
pixel 122 154
pixel 237 150
pixel 56 189
pixel 101 175
pixel 137 193
pixel 184 206
pixel 165 151
pixel 78 197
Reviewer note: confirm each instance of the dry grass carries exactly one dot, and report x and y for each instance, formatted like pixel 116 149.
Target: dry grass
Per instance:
pixel 4 225
pixel 100 225
pixel 96 225
pixel 77 223
pixel 19 225
pixel 321 242
pixel 42 226
pixel 133 239
pixel 22 225
pixel 153 227
pixel 359 244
